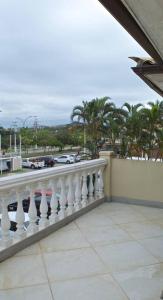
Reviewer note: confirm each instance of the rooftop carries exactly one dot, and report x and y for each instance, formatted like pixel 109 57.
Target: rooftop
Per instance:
pixel 113 252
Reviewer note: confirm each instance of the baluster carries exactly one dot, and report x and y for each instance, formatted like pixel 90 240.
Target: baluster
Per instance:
pixel 101 184
pixel 70 196
pixel 32 212
pixel 62 201
pixel 43 207
pixel 96 185
pixel 91 187
pixel 53 202
pixel 77 193
pixel 84 190
pixel 20 218
pixel 5 225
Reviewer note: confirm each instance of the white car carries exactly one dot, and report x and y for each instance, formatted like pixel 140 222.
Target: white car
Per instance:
pixel 32 163
pixel 76 157
pixel 66 159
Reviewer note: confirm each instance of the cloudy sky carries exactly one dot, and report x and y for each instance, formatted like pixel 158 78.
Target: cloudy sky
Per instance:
pixel 54 54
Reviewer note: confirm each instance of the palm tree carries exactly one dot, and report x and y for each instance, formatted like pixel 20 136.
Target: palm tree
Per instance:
pixel 153 123
pixel 93 115
pixel 115 125
pixel 133 124
pixel 81 113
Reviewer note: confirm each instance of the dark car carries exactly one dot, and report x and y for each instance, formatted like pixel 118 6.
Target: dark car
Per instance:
pixel 48 161
pixel 26 202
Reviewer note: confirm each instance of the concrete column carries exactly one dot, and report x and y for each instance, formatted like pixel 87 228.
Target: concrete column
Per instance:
pixel 108 155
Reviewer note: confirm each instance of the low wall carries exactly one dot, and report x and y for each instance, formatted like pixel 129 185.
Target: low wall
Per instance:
pixel 137 181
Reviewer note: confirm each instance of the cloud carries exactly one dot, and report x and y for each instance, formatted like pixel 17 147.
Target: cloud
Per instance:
pixel 54 54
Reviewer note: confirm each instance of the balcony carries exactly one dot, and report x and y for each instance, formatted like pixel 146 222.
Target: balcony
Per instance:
pixel 89 249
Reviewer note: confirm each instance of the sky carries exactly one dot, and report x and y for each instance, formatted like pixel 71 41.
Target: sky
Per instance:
pixel 55 54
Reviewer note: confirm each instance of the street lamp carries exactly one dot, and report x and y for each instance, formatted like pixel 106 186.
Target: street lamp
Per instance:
pixel 35 125
pixel 23 121
pixel 15 127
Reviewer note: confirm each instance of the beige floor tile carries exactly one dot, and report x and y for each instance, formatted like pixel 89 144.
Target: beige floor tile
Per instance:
pixel 124 217
pixel 104 235
pixel 142 230
pixel 90 288
pixel 73 264
pixel 22 271
pixel 64 240
pixel 144 283
pixel 125 256
pixel 154 246
pixel 113 208
pixel 76 271
pixel 94 219
pixel 150 213
pixel 36 292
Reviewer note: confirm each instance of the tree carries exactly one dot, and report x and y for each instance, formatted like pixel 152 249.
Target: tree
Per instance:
pixel 92 116
pixel 152 118
pixel 133 126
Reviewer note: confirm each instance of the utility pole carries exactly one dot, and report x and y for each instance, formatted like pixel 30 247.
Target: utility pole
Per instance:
pixel 20 144
pixel 35 126
pixel 10 143
pixel 15 127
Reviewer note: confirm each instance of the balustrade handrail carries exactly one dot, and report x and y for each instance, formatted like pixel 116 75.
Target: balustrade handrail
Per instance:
pixel 32 177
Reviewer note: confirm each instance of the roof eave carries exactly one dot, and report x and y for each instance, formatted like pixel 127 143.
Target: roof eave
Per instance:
pixel 123 16
pixel 154 69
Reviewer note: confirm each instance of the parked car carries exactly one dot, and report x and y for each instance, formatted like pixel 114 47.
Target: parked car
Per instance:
pixel 48 161
pixel 76 157
pixel 26 202
pixel 13 223
pixel 32 163
pixel 4 164
pixel 67 159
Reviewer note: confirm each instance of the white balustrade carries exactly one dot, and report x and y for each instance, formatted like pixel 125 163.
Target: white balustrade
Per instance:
pixel 63 191
pixel 5 225
pixel 54 201
pixel 77 192
pixel 101 184
pixel 43 206
pixel 96 186
pixel 91 187
pixel 20 218
pixel 32 212
pixel 63 200
pixel 70 196
pixel 84 190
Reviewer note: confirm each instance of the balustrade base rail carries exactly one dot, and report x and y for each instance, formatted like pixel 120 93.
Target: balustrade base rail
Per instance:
pixel 36 237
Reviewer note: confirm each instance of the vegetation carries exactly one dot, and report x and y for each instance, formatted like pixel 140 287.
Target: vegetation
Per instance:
pixel 131 129
pixel 46 138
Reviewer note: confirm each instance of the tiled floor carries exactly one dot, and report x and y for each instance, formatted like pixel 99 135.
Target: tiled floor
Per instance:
pixel 114 252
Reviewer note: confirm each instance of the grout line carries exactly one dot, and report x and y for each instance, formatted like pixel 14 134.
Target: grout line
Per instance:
pixel 46 272
pixel 121 288
pixel 23 287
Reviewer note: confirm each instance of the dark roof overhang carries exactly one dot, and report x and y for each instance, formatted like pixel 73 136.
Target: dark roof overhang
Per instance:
pixel 123 16
pixel 151 71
